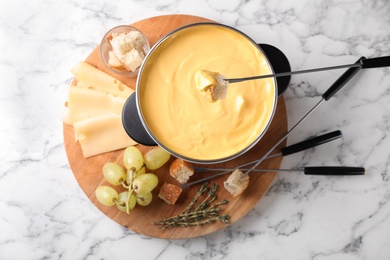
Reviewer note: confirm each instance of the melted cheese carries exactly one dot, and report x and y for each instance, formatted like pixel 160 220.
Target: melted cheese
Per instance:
pixel 205 79
pixel 181 118
pixel 211 85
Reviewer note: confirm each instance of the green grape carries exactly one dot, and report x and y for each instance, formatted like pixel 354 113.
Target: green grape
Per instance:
pixel 126 201
pixel 132 158
pixel 114 173
pixel 106 195
pixel 144 199
pixel 156 158
pixel 145 183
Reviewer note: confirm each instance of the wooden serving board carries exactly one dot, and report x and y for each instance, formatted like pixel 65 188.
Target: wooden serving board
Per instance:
pixel 88 172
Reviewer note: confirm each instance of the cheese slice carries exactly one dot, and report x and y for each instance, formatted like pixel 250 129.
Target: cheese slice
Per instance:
pixel 85 103
pixel 90 77
pixel 101 134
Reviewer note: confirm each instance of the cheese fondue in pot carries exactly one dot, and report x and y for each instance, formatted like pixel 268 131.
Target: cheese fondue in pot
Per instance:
pixel 183 121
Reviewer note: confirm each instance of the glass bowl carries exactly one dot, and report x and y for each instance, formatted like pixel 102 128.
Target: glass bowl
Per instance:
pixel 106 48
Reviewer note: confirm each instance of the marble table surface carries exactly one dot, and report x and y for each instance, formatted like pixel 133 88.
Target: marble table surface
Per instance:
pixel 44 214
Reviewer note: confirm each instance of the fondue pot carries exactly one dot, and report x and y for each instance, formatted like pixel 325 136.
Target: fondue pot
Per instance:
pixel 142 125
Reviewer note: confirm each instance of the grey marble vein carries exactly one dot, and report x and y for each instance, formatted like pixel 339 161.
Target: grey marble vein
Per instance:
pixel 45 215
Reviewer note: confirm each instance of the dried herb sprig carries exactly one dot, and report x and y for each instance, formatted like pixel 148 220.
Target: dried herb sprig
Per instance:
pixel 205 213
pixel 209 199
pixel 202 190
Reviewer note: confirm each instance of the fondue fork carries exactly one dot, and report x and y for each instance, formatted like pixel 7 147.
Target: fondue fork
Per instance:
pixel 308 170
pixel 333 89
pixel 288 150
pixel 291 149
pixel 362 64
pixel 218 87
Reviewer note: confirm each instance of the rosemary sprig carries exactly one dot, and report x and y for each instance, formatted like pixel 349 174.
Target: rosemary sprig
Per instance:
pixel 205 213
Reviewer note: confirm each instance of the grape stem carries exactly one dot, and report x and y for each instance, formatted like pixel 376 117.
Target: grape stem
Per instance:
pixel 127 201
pixel 124 185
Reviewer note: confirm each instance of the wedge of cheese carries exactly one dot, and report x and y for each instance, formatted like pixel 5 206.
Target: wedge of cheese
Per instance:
pixel 90 77
pixel 101 134
pixel 84 103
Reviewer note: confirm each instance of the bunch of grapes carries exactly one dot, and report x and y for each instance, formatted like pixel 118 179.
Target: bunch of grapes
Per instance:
pixel 138 183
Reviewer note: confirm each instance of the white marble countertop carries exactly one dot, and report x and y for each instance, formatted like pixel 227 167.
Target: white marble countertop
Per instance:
pixel 45 215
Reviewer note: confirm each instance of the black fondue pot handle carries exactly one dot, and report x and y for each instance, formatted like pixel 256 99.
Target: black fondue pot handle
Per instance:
pixel 132 123
pixel 279 63
pixel 334 170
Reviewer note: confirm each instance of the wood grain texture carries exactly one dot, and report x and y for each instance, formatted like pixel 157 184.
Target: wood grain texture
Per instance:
pixel 88 172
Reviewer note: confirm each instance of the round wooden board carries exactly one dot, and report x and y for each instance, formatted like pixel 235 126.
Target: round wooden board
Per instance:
pixel 88 172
